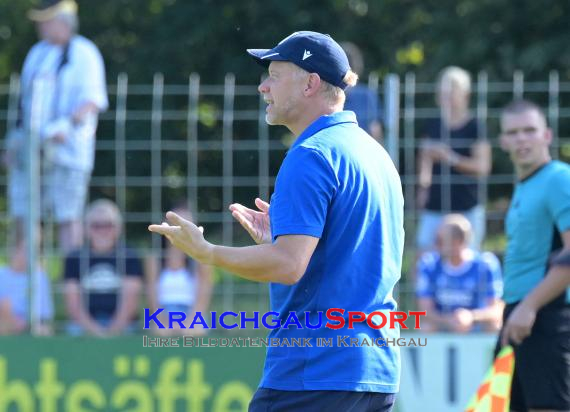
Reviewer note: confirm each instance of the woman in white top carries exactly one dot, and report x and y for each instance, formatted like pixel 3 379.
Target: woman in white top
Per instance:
pixel 182 284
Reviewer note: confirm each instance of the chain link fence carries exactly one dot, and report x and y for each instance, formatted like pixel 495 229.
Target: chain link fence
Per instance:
pixel 161 143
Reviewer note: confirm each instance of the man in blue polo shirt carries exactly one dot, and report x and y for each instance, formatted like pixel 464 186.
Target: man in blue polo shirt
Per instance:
pixel 536 287
pixel 332 236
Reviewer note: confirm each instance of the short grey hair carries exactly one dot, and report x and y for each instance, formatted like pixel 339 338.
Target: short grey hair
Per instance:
pixel 457 76
pixel 332 93
pixel 106 208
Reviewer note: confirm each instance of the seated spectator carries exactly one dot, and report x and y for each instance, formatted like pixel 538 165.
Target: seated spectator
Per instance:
pixel 183 285
pixel 458 287
pixel 103 280
pixel 14 296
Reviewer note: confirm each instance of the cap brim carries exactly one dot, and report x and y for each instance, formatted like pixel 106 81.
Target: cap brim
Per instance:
pixel 66 6
pixel 41 15
pixel 265 56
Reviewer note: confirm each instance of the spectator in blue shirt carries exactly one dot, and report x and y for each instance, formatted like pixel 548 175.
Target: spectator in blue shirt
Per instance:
pixel 361 99
pixel 457 286
pixel 14 296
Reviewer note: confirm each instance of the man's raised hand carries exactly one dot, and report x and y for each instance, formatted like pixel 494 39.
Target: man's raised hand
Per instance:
pixel 256 222
pixel 186 236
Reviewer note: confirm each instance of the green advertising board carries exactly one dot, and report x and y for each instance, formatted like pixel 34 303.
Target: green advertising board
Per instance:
pixel 77 375
pixel 121 374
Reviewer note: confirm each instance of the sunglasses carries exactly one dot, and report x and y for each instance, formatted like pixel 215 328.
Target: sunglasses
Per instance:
pixel 102 225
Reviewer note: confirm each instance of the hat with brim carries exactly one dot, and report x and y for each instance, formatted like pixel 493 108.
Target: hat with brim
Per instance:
pixel 49 9
pixel 311 51
pixel 266 56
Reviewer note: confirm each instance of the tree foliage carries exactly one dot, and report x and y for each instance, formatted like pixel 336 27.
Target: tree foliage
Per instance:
pixel 177 37
pixel 209 37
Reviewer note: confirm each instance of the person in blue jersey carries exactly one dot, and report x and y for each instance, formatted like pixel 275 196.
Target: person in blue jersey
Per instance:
pixel 331 237
pixel 459 288
pixel 536 286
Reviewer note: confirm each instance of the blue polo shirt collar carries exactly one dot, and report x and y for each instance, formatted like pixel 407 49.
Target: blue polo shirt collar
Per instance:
pixel 323 122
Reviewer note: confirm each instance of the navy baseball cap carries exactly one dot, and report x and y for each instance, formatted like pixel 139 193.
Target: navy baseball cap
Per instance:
pixel 311 51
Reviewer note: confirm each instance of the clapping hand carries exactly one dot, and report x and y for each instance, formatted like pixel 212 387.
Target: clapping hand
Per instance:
pixel 256 222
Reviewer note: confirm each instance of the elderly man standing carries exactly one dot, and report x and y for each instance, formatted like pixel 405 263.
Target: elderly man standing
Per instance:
pixel 64 76
pixel 331 237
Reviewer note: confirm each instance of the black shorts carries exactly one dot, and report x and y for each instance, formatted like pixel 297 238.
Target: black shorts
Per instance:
pixel 542 362
pixel 271 400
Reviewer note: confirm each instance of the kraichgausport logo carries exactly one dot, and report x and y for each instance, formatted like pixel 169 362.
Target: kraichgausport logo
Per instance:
pixel 334 318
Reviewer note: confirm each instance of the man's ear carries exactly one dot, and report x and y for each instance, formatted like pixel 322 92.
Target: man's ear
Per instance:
pixel 312 85
pixel 548 135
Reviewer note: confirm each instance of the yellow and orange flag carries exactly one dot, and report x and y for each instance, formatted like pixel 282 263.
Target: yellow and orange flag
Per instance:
pixel 495 391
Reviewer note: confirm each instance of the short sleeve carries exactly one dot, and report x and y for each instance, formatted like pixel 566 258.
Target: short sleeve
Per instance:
pixel 134 265
pixel 493 278
pixel 45 298
pixel 558 200
pixel 428 129
pixel 562 259
pixel 92 84
pixel 475 131
pixel 4 293
pixel 374 113
pixel 71 267
pixel 425 283
pixel 304 188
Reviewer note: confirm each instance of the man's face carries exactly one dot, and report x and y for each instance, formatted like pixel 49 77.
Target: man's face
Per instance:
pixel 282 91
pixel 526 138
pixel 446 244
pixel 54 31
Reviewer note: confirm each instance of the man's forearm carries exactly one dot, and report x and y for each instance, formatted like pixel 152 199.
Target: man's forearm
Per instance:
pixel 552 286
pixel 488 314
pixel 125 313
pixel 469 165
pixel 436 318
pixel 260 263
pixel 84 110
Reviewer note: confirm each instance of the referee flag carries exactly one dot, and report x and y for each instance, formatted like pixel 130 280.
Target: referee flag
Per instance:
pixel 494 393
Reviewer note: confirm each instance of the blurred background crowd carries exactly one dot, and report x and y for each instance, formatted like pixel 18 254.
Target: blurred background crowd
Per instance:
pixel 125 110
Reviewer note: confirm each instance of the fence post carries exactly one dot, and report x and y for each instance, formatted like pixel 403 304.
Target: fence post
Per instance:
pixel 482 113
pixel 518 84
pixel 12 117
pixel 410 138
pixel 120 136
pixel 392 115
pixel 228 177
pixel 156 154
pixel 192 140
pixel 33 206
pixel 554 110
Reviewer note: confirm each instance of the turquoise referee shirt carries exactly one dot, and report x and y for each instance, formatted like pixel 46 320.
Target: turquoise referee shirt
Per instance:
pixel 539 212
